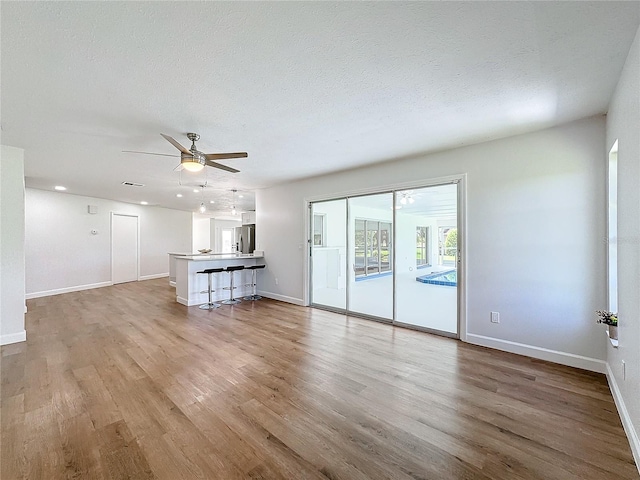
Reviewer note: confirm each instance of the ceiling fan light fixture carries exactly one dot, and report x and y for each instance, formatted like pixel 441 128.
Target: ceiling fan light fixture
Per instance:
pixel 406 198
pixel 193 160
pixel 233 210
pixel 192 164
pixel 203 208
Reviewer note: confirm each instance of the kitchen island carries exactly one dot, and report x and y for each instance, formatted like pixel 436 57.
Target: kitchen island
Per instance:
pixel 172 266
pixel 189 283
pixel 172 262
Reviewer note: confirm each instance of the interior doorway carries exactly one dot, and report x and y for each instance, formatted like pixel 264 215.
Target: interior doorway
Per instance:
pixel 228 240
pixel 124 248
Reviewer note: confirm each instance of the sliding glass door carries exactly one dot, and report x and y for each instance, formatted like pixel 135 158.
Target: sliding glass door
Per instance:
pixel 370 255
pixel 328 254
pixel 426 279
pixel 390 256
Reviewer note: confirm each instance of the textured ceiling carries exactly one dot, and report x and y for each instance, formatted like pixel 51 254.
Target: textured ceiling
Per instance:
pixel 306 88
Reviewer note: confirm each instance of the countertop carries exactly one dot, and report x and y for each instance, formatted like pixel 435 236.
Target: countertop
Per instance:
pixel 218 256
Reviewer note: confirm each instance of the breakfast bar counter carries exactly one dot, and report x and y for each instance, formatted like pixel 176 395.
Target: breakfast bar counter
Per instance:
pixel 189 283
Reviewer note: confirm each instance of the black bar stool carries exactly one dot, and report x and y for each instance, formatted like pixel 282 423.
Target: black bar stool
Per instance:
pixel 253 284
pixel 210 305
pixel 231 269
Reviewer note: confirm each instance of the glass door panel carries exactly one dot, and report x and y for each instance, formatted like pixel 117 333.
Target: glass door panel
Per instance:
pixel 329 254
pixel 370 255
pixel 426 258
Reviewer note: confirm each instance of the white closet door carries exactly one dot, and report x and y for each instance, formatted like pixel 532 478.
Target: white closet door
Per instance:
pixel 124 248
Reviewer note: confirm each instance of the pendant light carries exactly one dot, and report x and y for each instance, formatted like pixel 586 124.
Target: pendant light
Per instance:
pixel 233 202
pixel 202 208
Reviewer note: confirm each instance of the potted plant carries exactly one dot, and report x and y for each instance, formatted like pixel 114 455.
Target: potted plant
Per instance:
pixel 611 319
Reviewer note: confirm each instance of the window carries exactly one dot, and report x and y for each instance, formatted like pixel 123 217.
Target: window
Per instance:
pixel 612 228
pixel 318 231
pixel 447 245
pixel 372 247
pixel 422 246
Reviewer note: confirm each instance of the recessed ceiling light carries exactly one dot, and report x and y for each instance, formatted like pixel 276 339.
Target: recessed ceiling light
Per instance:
pixel 179 195
pixel 212 201
pixel 60 188
pixel 144 203
pixel 195 190
pixel 240 196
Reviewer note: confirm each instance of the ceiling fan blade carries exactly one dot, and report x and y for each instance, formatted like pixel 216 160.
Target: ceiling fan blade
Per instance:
pixel 149 153
pixel 222 156
pixel 173 142
pixel 220 166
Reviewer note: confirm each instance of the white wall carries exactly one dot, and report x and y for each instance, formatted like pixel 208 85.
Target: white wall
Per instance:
pixel 62 255
pixel 12 245
pixel 201 237
pixel 623 124
pixel 534 236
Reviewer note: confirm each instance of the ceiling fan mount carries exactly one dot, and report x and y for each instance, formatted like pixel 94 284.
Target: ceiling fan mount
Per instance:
pixel 193 159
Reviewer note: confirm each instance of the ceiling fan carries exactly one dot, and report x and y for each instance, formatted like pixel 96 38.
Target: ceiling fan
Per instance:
pixel 193 159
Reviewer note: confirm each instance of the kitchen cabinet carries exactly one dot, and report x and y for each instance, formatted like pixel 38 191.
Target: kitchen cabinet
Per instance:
pixel 249 218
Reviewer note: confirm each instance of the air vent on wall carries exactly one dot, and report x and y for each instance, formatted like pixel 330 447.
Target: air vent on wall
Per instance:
pixel 132 184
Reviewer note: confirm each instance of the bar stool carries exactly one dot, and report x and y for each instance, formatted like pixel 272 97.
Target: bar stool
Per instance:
pixel 253 284
pixel 231 300
pixel 210 305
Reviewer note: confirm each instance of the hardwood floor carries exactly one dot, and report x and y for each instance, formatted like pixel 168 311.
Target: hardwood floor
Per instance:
pixel 122 382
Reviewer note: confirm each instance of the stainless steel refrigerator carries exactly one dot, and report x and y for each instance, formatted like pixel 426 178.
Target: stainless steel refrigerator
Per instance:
pixel 246 238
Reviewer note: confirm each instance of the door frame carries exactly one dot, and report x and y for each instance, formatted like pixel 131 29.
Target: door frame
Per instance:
pixel 459 179
pixel 137 217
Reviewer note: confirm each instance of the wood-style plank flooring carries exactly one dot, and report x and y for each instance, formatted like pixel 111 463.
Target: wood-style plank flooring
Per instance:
pixel 122 382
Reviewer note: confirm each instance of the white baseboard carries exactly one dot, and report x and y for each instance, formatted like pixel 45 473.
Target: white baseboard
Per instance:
pixel 152 277
pixel 58 291
pixel 13 338
pixel 563 358
pixel 629 429
pixel 183 301
pixel 282 298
